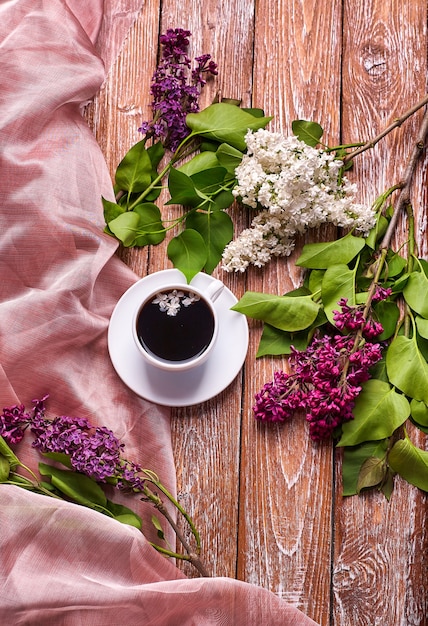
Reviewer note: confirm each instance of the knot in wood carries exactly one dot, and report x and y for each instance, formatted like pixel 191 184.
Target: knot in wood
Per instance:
pixel 374 59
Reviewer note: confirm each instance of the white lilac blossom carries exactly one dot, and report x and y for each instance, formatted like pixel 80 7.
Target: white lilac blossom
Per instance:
pixel 295 187
pixel 171 302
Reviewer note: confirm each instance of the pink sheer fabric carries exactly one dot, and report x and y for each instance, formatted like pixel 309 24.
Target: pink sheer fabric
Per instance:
pixel 60 280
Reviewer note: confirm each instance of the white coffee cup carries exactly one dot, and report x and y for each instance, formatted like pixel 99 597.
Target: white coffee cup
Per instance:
pixel 175 327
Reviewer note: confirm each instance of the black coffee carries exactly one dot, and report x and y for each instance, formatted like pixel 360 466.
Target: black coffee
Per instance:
pixel 175 325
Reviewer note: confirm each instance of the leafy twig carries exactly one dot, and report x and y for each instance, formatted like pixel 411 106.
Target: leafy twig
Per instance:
pixel 395 124
pixel 192 556
pixel 402 202
pixel 404 196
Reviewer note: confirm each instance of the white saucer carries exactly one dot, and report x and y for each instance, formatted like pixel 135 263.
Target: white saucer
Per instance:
pixel 182 388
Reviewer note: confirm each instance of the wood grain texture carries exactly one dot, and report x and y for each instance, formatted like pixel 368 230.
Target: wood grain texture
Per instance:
pixel 286 495
pixel 226 32
pixel 380 547
pixel 267 501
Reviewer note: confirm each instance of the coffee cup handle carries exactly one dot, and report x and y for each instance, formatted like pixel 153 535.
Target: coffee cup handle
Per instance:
pixel 214 289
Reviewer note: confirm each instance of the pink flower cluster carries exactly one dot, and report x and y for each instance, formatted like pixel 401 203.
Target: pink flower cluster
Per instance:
pixel 325 378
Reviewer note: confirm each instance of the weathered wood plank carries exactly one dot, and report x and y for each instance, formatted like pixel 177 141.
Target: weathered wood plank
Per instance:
pixel 380 548
pixel 207 437
pixel 124 99
pixel 286 494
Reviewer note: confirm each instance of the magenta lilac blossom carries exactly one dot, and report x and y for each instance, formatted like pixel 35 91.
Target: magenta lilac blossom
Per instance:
pixel 326 378
pixel 278 400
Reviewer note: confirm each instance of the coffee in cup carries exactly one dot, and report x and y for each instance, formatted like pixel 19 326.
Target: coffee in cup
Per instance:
pixel 175 328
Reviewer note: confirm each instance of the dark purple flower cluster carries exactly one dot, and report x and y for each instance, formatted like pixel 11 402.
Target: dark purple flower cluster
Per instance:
pixel 93 451
pixel 15 420
pixel 326 378
pixel 381 293
pixel 176 89
pixel 278 399
pixel 351 319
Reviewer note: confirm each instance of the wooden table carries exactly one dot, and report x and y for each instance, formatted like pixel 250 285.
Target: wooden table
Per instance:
pixel 267 501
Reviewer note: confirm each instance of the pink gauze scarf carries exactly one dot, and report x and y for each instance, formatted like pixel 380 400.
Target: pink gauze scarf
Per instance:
pixel 60 563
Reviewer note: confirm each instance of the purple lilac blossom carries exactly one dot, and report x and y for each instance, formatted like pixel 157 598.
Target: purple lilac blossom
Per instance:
pixel 326 378
pixel 381 293
pixel 13 422
pixel 93 451
pixel 175 93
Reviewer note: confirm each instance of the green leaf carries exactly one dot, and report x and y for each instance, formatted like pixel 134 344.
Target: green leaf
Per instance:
pixel 376 233
pixel 182 189
pixel 139 227
pixel 378 370
pixel 338 282
pixel 388 314
pixel 188 253
pixel 323 255
pixel 415 293
pixel 308 132
pixel 134 172
pixel 419 412
pixel 394 265
pixel 125 227
pixel 315 280
pixel 410 463
pixel 150 228
pixel 209 181
pixel 423 265
pixel 379 410
pixel 216 229
pixel 229 157
pixel 156 523
pixel 124 515
pixel 422 345
pixel 77 487
pixel 276 342
pixel 9 454
pixel 372 473
pixel 225 123
pixel 156 153
pixel 111 210
pixel 207 145
pixel 60 457
pixel 422 326
pixel 199 163
pixel 254 111
pixel 4 468
pixel 387 486
pixel 49 487
pixel 221 201
pixel 407 368
pixel 398 285
pixel 353 459
pixel 285 313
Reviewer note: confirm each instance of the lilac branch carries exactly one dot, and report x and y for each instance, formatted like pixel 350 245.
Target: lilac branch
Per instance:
pixel 395 124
